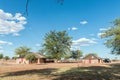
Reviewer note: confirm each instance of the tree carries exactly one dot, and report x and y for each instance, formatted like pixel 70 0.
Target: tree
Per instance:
pixel 57 44
pixel 6 58
pixel 30 57
pixel 22 51
pixel 42 51
pixel 76 54
pixel 14 58
pixel 67 56
pixel 1 56
pixel 112 36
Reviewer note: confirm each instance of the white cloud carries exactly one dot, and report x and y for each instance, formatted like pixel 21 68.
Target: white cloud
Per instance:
pixel 83 42
pixel 73 28
pixel 75 47
pixel 83 22
pixel 16 34
pixel 10 43
pixel 5 43
pixel 11 24
pixel 38 45
pixel 103 29
pixel 100 34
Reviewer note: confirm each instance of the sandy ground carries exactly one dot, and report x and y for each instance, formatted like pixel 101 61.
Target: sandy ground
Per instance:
pixel 8 66
pixel 59 71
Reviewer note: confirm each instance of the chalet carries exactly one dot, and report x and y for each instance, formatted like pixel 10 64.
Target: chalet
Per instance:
pixel 91 58
pixel 39 59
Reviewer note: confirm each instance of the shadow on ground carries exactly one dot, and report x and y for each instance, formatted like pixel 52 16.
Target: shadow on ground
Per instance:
pixel 47 71
pixel 81 73
pixel 92 73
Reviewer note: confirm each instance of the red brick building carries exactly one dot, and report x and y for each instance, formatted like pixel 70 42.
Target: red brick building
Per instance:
pixel 91 58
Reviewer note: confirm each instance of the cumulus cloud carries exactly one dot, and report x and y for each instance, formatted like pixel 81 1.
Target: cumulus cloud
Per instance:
pixel 11 24
pixel 5 43
pixel 83 22
pixel 83 42
pixel 73 28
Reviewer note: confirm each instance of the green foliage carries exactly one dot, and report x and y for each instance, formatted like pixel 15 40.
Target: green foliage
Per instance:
pixel 113 37
pixel 48 56
pixel 6 57
pixel 14 58
pixel 42 51
pixel 76 54
pixel 22 51
pixel 1 56
pixel 67 56
pixel 30 57
pixel 57 44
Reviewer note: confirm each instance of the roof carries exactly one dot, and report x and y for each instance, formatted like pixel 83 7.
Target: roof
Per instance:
pixel 91 56
pixel 38 55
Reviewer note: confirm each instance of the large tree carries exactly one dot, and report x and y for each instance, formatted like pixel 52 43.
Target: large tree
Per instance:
pixel 76 54
pixel 112 36
pixel 57 44
pixel 22 51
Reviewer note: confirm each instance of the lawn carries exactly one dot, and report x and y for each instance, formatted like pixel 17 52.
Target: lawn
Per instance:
pixel 61 72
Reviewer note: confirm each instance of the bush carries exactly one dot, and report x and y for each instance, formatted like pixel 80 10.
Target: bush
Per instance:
pixel 6 58
pixel 30 57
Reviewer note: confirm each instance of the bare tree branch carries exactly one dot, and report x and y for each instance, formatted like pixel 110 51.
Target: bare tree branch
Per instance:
pixel 27 3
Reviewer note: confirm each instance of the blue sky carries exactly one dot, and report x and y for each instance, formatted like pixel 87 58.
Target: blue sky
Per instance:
pixel 84 20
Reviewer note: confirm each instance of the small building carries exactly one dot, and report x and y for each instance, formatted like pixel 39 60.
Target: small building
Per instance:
pixel 39 59
pixel 91 58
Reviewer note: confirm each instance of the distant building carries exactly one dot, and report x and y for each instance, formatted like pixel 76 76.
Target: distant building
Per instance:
pixel 40 59
pixel 91 58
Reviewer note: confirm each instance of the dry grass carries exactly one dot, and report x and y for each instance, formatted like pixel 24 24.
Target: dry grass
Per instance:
pixel 60 71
